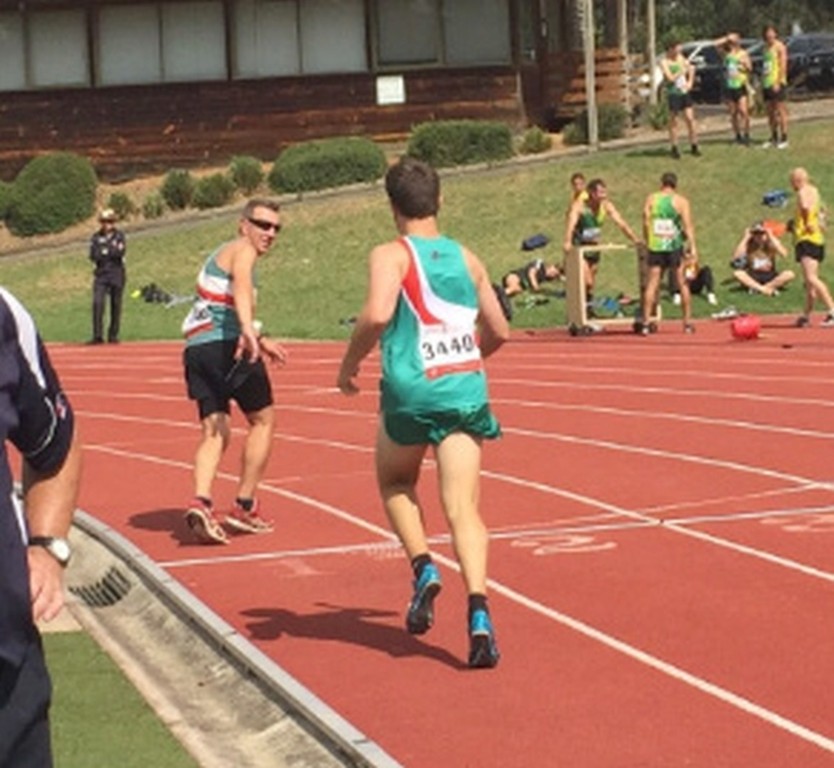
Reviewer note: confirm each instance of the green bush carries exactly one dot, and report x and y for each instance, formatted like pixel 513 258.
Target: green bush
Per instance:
pixel 5 198
pixel 213 191
pixel 534 141
pixel 121 204
pixel 327 163
pixel 246 173
pixel 51 193
pixel 460 142
pixel 178 189
pixel 612 120
pixel 154 206
pixel 658 115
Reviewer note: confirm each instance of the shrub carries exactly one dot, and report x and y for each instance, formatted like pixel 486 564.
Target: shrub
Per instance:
pixel 327 163
pixel 612 120
pixel 534 141
pixel 213 191
pixel 154 206
pixel 657 115
pixel 51 193
pixel 5 198
pixel 177 189
pixel 247 173
pixel 460 142
pixel 121 204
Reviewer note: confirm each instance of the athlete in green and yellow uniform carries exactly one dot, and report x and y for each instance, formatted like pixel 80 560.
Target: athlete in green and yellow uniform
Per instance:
pixel 809 245
pixel 774 86
pixel 431 304
pixel 737 68
pixel 678 79
pixel 667 223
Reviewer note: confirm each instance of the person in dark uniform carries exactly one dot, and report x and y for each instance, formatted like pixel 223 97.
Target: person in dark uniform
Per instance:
pixel 529 277
pixel 36 418
pixel 107 252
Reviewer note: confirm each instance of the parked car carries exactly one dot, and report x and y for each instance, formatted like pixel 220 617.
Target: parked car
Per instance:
pixel 821 70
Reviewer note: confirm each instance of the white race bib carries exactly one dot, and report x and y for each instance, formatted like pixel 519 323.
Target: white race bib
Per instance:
pixel 199 319
pixel 665 229
pixel 591 235
pixel 448 350
pixel 680 82
pixel 761 264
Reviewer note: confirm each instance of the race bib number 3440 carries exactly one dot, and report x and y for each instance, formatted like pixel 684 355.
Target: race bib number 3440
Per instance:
pixel 445 350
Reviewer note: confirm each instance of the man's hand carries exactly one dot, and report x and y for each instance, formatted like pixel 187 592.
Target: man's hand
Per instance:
pixel 345 381
pixel 46 578
pixel 272 351
pixel 248 346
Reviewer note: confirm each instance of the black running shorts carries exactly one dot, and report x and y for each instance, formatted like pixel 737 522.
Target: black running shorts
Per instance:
pixel 804 249
pixel 679 102
pixel 665 259
pixel 215 378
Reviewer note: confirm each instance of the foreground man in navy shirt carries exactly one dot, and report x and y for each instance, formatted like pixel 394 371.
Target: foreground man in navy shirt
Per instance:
pixel 36 418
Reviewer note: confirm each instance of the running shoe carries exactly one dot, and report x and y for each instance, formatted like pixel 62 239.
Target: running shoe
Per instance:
pixel 783 144
pixel 676 154
pixel 712 300
pixel 688 328
pixel 420 616
pixel 676 299
pixel 483 650
pixel 248 522
pixel 696 150
pixel 201 519
pixel 829 321
pixel 803 321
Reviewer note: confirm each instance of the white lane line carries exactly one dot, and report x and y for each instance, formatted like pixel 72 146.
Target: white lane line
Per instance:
pixel 781 400
pixel 675 416
pixel 677 673
pixel 784 491
pixel 659 453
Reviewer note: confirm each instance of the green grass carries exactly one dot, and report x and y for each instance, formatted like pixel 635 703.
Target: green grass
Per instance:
pixel 97 717
pixel 316 274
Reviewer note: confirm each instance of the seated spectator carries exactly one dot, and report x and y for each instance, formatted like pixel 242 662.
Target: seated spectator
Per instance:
pixel 754 261
pixel 698 277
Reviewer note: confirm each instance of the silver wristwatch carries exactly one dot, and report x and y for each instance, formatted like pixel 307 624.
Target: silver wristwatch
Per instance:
pixel 57 547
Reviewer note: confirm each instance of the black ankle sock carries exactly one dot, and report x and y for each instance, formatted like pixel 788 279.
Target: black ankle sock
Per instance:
pixel 205 500
pixel 245 504
pixel 420 562
pixel 477 602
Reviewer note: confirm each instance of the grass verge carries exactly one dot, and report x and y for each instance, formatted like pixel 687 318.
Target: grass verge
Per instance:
pixel 98 718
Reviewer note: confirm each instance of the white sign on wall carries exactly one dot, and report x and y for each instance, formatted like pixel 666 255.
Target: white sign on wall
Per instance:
pixel 390 89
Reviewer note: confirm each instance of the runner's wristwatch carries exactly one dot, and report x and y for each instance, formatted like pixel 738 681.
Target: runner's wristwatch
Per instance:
pixel 57 547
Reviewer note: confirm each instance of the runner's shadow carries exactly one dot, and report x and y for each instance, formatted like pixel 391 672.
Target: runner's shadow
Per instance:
pixel 170 521
pixel 361 626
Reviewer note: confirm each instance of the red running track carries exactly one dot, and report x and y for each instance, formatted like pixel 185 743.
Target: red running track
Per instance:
pixel 662 518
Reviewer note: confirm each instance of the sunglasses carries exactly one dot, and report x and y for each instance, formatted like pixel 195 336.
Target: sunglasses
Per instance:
pixel 265 226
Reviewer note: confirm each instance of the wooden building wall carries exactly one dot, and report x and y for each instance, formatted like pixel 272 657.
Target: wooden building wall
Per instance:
pixel 133 129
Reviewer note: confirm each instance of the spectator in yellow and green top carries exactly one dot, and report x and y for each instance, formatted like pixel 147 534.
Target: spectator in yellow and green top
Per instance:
pixel 775 87
pixel 737 68
pixel 678 79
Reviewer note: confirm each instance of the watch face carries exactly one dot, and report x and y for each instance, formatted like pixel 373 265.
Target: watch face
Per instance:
pixel 60 549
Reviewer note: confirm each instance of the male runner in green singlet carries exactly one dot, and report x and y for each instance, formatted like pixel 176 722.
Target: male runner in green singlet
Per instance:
pixel 775 87
pixel 678 79
pixel 667 223
pixel 737 68
pixel 431 304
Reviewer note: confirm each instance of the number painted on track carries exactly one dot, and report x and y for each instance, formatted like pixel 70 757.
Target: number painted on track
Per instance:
pixel 565 544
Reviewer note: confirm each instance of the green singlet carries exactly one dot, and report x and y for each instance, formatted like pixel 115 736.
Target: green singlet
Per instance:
pixel 665 226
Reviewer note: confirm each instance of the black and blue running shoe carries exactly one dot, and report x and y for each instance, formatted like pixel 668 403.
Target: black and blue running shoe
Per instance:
pixel 483 651
pixel 420 616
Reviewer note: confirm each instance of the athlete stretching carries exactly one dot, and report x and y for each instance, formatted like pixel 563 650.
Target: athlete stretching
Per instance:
pixel 431 304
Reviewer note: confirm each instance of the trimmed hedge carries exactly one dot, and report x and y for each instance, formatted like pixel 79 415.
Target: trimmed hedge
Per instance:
pixel 51 193
pixel 121 204
pixel 5 198
pixel 327 163
pixel 460 142
pixel 534 141
pixel 213 191
pixel 612 120
pixel 246 173
pixel 177 189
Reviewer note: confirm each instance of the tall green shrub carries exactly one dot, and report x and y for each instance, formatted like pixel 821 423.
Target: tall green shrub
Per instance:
pixel 51 193
pixel 5 198
pixel 213 191
pixel 121 204
pixel 327 163
pixel 246 173
pixel 460 142
pixel 177 189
